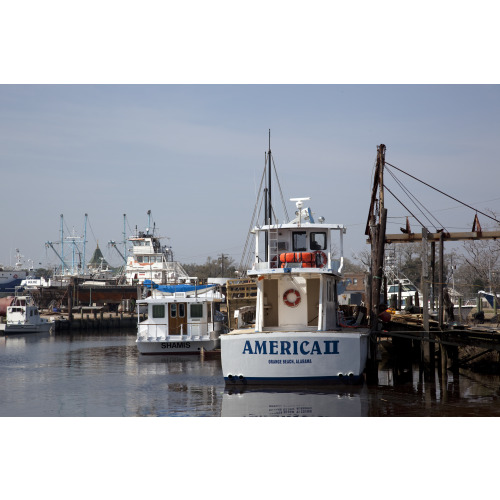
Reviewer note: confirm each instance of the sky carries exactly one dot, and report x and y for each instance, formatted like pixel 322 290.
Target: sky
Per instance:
pixel 194 155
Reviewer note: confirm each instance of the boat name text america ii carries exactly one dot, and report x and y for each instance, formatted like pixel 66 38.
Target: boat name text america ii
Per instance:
pixel 291 348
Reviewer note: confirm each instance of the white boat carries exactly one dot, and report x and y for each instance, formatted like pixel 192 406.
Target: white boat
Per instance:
pixel 152 261
pixel 180 322
pixel 297 336
pixel 23 316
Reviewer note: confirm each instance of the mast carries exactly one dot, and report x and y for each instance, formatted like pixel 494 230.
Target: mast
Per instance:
pixel 124 239
pixel 84 244
pixel 62 244
pixel 269 208
pixel 268 204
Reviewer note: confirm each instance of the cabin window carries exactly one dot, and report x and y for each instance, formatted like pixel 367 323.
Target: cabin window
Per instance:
pixel 182 310
pixel 146 259
pixel 318 241
pixel 158 311
pixel 139 259
pixel 196 310
pixel 299 241
pixel 173 310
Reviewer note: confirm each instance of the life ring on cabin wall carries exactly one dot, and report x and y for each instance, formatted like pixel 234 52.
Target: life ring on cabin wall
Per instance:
pixel 291 297
pixel 321 259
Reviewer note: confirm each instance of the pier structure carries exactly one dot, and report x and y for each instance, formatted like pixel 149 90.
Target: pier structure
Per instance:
pixel 433 336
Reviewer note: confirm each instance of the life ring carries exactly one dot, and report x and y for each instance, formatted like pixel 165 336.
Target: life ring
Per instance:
pixel 15 276
pixel 291 303
pixel 321 259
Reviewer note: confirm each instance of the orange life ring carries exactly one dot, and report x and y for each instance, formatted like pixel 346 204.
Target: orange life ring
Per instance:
pixel 295 301
pixel 321 259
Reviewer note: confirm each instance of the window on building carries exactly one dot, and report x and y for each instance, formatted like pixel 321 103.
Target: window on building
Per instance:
pixel 158 311
pixel 318 241
pixel 299 241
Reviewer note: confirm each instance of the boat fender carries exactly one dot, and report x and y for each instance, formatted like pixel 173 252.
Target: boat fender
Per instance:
pixel 291 297
pixel 321 258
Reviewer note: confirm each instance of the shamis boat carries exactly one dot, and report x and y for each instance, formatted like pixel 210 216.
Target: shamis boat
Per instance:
pixel 181 319
pixel 297 334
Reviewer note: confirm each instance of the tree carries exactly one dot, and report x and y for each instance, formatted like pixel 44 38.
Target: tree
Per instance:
pixel 221 267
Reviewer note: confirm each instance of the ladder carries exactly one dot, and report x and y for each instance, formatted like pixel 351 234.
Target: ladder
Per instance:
pixel 273 247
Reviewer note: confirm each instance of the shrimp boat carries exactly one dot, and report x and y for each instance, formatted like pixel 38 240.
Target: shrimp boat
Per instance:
pixel 297 335
pixel 181 319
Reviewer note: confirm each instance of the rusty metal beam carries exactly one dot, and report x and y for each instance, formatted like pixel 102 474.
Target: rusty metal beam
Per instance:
pixel 410 238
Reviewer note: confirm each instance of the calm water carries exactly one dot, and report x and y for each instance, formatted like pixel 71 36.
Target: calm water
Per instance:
pixel 102 374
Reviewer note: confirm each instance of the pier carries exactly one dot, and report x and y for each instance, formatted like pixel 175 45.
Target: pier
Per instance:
pixel 414 333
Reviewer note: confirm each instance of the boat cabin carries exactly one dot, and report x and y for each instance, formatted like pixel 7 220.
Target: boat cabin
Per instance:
pixel 297 274
pixel 179 316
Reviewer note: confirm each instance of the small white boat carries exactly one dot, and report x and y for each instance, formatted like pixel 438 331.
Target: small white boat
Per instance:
pixel 23 316
pixel 180 322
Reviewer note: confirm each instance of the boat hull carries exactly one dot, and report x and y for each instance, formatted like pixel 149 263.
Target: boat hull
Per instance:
pixel 176 346
pixel 27 328
pixel 268 357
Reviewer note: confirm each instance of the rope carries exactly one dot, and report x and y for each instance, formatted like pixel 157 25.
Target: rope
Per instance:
pixel 412 197
pixel 439 191
pixel 409 211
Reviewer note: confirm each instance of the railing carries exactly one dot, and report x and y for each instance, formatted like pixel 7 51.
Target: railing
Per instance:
pixel 160 330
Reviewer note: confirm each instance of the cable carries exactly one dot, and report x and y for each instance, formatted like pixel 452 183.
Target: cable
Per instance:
pixel 409 211
pixel 439 191
pixel 411 196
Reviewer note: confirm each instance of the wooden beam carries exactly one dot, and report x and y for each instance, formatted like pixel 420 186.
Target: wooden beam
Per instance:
pixel 411 238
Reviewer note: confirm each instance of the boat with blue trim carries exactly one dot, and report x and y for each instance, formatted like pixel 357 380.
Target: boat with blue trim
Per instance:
pixel 298 334
pixel 181 319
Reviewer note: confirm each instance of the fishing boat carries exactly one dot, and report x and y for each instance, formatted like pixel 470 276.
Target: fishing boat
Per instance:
pixel 181 319
pixel 297 335
pixel 150 260
pixel 23 316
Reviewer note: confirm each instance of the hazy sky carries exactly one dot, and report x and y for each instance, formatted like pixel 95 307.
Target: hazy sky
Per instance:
pixel 194 154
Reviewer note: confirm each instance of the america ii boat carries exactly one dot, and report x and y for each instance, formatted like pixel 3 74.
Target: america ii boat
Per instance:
pixel 297 335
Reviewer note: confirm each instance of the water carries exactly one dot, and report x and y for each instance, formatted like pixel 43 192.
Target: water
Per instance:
pixel 102 375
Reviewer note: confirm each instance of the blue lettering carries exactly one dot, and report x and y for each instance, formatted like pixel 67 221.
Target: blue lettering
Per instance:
pixel 273 345
pixel 260 348
pixel 332 343
pixel 248 348
pixel 302 347
pixel 285 347
pixel 295 346
pixel 315 348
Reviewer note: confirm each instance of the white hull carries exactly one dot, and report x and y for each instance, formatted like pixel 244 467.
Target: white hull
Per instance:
pixel 176 346
pixel 27 328
pixel 294 356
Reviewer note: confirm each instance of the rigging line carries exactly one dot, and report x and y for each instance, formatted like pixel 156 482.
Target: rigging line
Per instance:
pixel 259 194
pixel 404 205
pixel 439 191
pixel 411 196
pixel 287 218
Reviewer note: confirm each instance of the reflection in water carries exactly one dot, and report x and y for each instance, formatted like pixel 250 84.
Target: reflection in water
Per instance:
pixel 344 401
pixel 102 374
